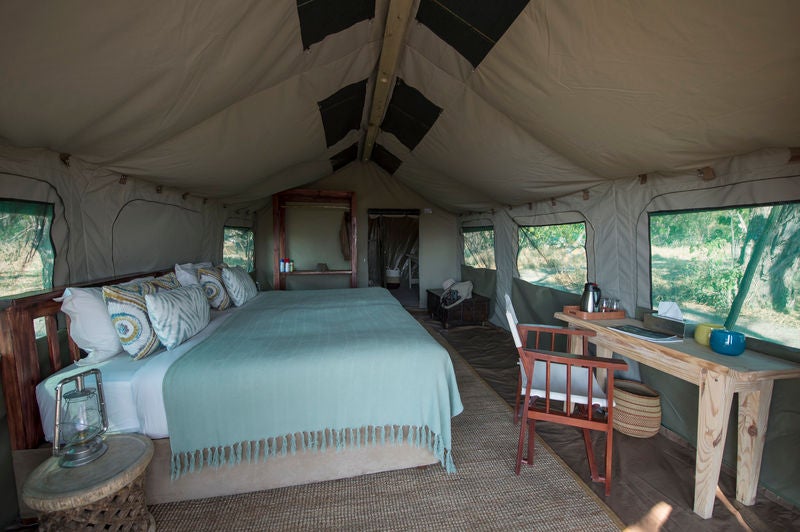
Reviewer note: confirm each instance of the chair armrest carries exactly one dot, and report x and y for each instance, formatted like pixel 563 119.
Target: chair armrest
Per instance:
pixel 578 360
pixel 555 329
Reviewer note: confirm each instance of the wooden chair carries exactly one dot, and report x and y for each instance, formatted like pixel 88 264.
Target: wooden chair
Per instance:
pixel 562 388
pixel 552 336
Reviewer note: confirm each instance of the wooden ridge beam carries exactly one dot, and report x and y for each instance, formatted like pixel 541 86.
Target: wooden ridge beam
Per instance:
pixel 397 20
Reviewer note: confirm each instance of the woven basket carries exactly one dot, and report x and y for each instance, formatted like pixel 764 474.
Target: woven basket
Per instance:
pixel 637 409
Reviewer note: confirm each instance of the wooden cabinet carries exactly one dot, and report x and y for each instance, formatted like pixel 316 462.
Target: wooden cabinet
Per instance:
pixel 298 196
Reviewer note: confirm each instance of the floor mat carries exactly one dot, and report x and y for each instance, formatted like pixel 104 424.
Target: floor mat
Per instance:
pixel 483 493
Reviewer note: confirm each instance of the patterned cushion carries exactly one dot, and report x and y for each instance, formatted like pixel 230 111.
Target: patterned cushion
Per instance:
pixel 187 273
pixel 166 282
pixel 239 284
pixel 128 311
pixel 178 314
pixel 211 281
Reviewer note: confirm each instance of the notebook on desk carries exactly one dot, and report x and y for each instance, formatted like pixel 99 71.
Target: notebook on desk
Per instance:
pixel 646 334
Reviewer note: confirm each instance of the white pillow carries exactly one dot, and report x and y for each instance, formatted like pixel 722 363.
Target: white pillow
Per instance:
pixel 90 324
pixel 187 273
pixel 239 284
pixel 179 314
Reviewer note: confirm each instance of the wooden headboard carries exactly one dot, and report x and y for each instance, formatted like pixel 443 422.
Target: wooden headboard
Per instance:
pixel 20 367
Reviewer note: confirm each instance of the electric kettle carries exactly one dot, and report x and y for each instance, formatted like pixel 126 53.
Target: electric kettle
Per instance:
pixel 591 298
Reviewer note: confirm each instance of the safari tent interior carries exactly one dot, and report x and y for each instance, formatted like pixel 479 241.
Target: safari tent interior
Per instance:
pixel 360 136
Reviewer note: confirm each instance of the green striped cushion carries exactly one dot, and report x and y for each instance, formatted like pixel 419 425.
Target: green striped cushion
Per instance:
pixel 239 284
pixel 178 314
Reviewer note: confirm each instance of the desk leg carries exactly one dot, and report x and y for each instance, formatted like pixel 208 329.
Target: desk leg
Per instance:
pixel 752 423
pixel 714 409
pixel 602 374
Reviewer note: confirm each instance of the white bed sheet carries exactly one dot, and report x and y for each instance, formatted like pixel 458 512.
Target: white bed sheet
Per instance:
pixel 132 388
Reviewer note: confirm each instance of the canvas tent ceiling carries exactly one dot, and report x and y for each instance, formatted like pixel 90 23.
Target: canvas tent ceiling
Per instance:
pixel 509 102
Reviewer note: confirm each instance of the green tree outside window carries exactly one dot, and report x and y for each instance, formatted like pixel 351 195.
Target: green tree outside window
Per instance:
pixel 479 247
pixel 739 267
pixel 26 251
pixel 238 247
pixel 553 256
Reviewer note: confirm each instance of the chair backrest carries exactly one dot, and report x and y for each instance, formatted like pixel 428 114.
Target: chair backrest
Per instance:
pixel 566 378
pixel 510 308
pixel 512 325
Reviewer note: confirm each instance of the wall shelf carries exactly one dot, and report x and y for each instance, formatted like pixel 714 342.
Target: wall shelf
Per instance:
pixel 315 197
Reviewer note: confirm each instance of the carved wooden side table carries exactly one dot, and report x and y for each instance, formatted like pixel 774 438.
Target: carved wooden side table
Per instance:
pixel 107 494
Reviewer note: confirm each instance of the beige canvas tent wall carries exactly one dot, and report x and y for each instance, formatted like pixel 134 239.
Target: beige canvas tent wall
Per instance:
pixel 151 126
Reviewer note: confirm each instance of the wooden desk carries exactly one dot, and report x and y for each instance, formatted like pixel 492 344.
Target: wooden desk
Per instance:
pixel 751 375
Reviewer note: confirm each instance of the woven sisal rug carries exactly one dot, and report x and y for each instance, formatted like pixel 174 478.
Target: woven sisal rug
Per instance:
pixel 484 493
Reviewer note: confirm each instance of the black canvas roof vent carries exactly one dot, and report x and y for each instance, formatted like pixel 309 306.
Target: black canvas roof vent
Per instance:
pixel 471 27
pixel 344 157
pixel 410 115
pixel 341 111
pixel 385 159
pixel 320 18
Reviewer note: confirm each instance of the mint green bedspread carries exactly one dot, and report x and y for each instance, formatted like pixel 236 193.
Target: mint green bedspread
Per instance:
pixel 308 370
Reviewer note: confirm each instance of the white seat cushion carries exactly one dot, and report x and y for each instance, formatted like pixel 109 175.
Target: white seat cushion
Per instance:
pixel 558 384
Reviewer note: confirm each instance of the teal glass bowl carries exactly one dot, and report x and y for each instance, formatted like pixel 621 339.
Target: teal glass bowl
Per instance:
pixel 726 342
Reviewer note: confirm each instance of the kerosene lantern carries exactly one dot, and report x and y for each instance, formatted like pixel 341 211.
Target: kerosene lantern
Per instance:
pixel 81 420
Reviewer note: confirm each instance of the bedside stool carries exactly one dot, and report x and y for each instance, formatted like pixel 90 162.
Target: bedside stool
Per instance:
pixel 107 494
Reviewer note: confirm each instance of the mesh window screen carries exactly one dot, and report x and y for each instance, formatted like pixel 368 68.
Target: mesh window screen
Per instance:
pixel 26 252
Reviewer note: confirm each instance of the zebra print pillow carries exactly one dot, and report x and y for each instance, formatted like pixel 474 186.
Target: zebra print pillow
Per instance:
pixel 128 311
pixel 178 314
pixel 211 281
pixel 239 284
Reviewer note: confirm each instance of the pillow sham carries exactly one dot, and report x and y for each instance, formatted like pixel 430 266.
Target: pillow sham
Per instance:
pixel 214 288
pixel 187 273
pixel 166 282
pixel 90 324
pixel 179 314
pixel 128 311
pixel 239 284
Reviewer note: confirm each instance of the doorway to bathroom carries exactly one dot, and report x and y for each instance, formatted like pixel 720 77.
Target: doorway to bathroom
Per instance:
pixel 393 253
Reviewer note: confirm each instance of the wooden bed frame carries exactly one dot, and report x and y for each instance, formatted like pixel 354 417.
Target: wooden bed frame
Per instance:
pixel 21 372
pixel 20 359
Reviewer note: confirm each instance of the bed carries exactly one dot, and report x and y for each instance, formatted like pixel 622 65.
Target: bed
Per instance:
pixel 324 384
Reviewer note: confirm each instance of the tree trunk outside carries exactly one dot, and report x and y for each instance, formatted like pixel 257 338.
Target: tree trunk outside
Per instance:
pixel 752 265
